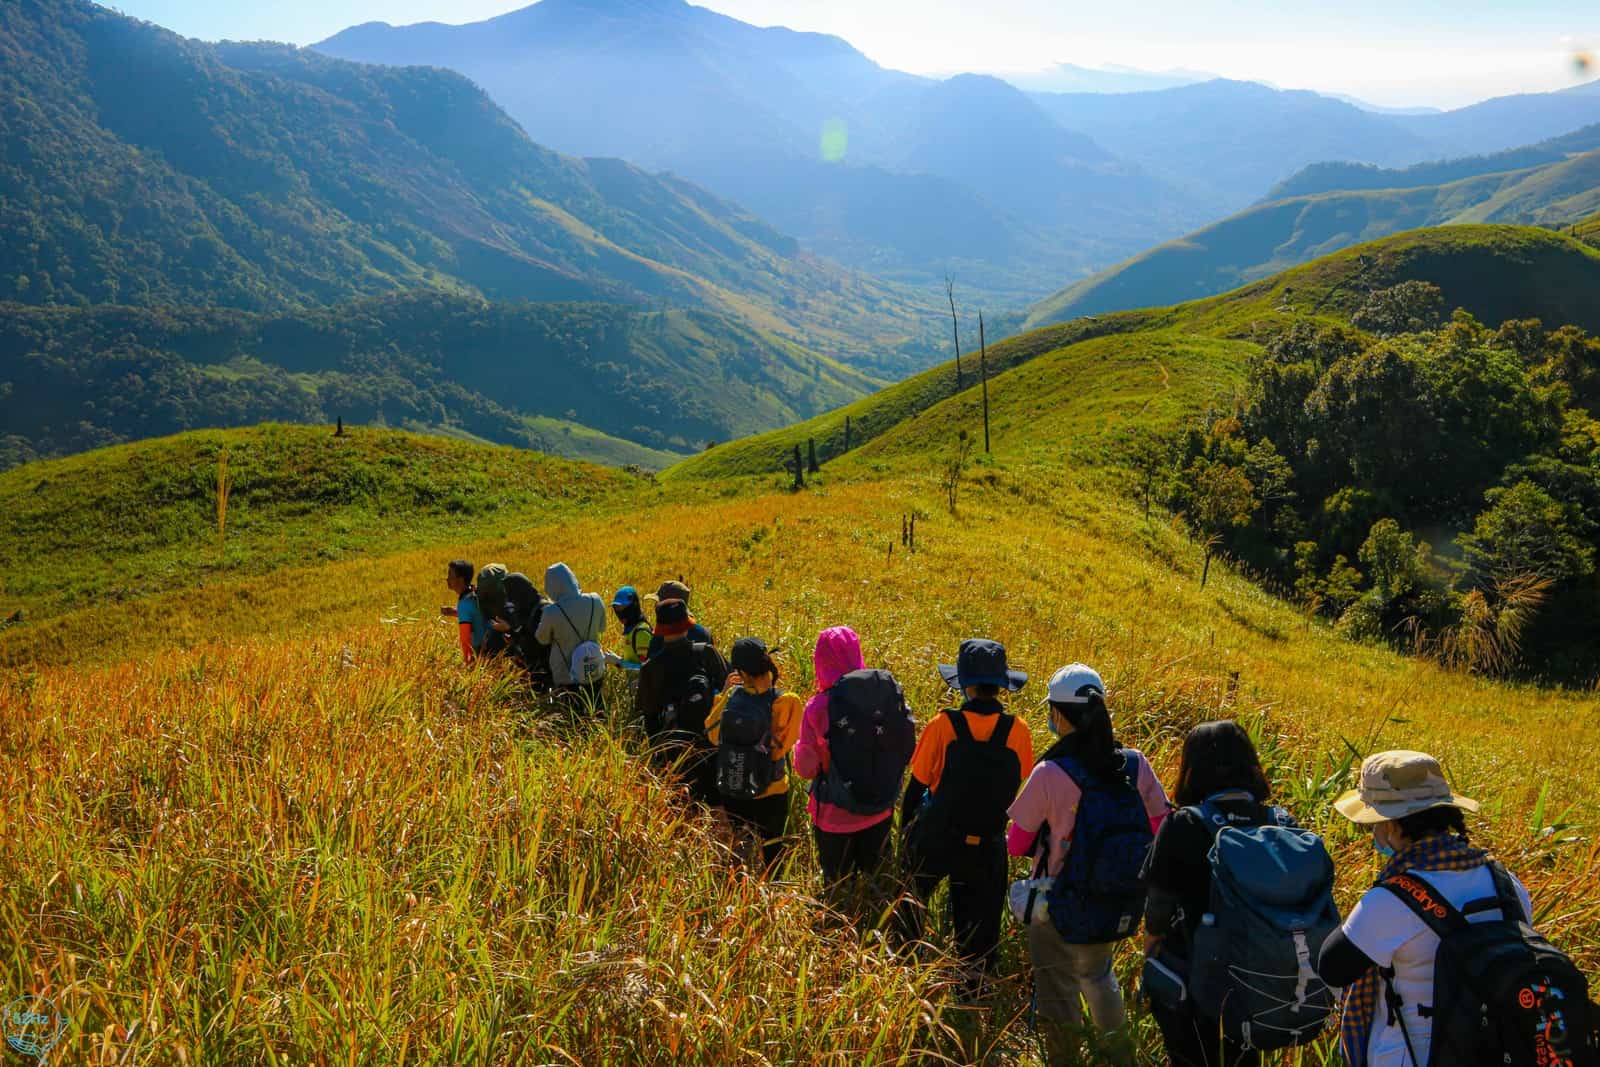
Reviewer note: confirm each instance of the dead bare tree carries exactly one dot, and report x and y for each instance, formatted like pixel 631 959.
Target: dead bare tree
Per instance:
pixel 955 324
pixel 983 372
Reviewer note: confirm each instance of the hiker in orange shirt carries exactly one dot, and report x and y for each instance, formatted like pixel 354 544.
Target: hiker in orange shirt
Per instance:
pixel 964 775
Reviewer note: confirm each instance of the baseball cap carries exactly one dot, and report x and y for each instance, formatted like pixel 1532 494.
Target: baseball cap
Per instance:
pixel 1073 683
pixel 625 596
pixel 1397 784
pixel 673 591
pixel 749 656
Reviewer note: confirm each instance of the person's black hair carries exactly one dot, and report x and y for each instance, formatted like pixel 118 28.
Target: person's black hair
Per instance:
pixel 460 568
pixel 1433 822
pixel 987 692
pixel 1219 757
pixel 1092 742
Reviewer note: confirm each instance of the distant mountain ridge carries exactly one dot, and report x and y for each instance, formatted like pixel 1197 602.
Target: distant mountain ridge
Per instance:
pixel 900 186
pixel 1279 234
pixel 147 168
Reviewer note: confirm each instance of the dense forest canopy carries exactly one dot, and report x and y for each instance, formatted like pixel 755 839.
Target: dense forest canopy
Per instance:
pixel 1430 482
pixel 514 373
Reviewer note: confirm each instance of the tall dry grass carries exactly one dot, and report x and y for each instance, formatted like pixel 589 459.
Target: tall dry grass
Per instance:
pixel 253 852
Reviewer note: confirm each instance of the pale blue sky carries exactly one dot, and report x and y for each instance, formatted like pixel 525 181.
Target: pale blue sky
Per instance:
pixel 1401 52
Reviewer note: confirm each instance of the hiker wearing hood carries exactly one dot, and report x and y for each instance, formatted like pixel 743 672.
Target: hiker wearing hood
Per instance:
pixel 754 726
pixel 572 621
pixel 856 738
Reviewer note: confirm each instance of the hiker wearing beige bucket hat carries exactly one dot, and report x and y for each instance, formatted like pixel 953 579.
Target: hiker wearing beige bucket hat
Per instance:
pixel 1384 955
pixel 1395 785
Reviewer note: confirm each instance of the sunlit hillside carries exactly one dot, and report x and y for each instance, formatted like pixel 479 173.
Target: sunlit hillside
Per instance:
pixel 269 817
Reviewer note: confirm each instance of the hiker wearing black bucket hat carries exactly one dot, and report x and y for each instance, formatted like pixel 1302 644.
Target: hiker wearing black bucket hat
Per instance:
pixel 964 775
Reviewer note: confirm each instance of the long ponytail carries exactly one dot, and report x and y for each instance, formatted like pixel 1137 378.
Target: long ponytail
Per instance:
pixel 1092 740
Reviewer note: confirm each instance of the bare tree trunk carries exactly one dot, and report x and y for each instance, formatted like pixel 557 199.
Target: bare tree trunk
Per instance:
pixel 847 433
pixel 955 324
pixel 1205 572
pixel 811 456
pixel 983 371
pixel 799 469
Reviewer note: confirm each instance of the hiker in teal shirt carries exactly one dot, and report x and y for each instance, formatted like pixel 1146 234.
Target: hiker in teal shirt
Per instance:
pixel 471 623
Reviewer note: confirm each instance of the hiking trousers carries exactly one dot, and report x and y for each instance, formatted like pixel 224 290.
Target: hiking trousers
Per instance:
pixel 977 900
pixel 1193 1041
pixel 864 852
pixel 591 697
pixel 768 818
pixel 1063 973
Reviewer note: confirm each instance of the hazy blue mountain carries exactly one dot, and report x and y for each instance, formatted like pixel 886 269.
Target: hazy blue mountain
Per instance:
pixel 1231 141
pixel 902 185
pixel 1505 122
pixel 1112 78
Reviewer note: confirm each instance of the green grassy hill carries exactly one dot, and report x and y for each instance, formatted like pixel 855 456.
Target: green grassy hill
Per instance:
pixel 1279 234
pixel 317 796
pixel 131 524
pixel 1347 177
pixel 1494 272
pixel 593 381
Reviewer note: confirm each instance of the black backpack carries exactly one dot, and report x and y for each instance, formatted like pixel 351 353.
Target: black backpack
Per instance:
pixel 1502 994
pixel 980 780
pixel 871 736
pixel 689 696
pixel 745 767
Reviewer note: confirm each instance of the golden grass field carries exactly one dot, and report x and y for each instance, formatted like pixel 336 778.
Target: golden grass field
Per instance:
pixel 316 838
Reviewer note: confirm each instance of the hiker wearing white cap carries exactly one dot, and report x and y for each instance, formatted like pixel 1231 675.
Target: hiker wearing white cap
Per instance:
pixel 1384 954
pixel 1088 811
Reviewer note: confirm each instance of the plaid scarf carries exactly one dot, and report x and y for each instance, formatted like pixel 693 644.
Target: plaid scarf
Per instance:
pixel 1443 852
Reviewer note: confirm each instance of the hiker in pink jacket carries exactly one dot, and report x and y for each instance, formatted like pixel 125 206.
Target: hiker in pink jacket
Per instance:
pixel 856 738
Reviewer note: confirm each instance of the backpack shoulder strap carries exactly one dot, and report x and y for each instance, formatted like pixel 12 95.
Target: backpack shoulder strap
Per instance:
pixel 1072 769
pixel 958 723
pixel 1002 730
pixel 555 640
pixel 1505 890
pixel 1425 902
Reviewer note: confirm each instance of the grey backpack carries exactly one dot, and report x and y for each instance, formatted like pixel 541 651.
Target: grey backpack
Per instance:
pixel 1255 952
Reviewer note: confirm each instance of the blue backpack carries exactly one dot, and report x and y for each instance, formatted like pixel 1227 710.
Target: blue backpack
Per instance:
pixel 1255 953
pixel 1099 896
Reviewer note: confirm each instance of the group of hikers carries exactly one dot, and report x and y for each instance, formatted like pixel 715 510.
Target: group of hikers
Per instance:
pixel 1245 951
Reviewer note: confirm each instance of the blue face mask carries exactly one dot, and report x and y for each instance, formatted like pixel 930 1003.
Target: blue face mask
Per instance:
pixel 1383 850
pixel 1055 730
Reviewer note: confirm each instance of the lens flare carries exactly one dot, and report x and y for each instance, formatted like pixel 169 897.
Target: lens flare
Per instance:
pixel 835 140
